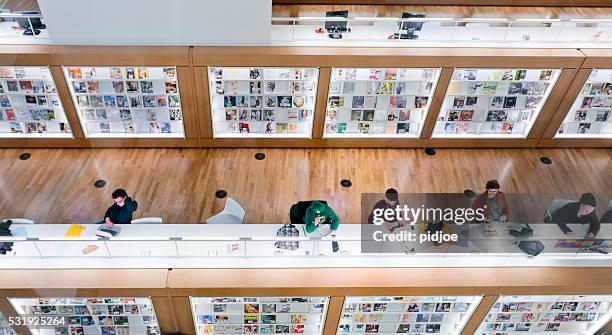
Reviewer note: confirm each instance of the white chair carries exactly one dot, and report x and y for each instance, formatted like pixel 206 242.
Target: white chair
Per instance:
pixel 147 220
pixel 21 221
pixel 232 213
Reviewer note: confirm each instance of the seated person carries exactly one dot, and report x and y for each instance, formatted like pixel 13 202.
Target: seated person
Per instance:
pixel 493 202
pixel 120 212
pixel 582 212
pixel 391 201
pixel 320 217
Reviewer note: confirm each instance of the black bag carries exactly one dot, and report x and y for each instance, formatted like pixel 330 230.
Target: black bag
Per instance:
pixel 5 231
pixel 531 248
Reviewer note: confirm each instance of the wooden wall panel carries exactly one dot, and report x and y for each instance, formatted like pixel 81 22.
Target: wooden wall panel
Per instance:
pixel 184 316
pixel 597 58
pixel 385 57
pixel 318 124
pixel 436 102
pixel 334 311
pixel 94 55
pixel 204 107
pixel 527 3
pixel 64 94
pixel 188 93
pixel 165 315
pixel 389 281
pixel 76 279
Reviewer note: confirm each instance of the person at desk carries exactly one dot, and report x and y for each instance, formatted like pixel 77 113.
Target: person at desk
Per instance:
pixel 582 212
pixel 120 212
pixel 391 201
pixel 322 218
pixel 493 202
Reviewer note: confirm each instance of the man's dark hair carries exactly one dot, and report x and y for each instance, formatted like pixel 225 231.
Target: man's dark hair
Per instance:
pixel 391 194
pixel 119 193
pixel 492 184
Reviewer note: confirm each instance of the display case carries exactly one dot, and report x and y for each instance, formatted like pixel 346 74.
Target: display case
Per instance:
pixel 262 102
pixel 259 315
pixel 406 314
pixel 378 102
pixel 590 114
pixel 5 328
pixel 493 102
pixel 127 102
pixel 30 104
pixel 106 316
pixel 550 314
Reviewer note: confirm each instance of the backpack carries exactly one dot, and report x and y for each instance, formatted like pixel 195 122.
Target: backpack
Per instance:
pixel 288 230
pixel 531 248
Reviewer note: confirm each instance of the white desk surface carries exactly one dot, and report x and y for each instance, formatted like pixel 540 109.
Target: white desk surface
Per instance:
pixel 252 245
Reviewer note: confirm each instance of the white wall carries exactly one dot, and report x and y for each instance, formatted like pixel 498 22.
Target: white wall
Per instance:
pixel 192 22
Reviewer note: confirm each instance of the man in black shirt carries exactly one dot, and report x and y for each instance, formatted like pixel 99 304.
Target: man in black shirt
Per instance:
pixel 121 211
pixel 582 211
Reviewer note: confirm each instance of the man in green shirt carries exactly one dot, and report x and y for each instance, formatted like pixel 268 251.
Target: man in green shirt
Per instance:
pixel 321 217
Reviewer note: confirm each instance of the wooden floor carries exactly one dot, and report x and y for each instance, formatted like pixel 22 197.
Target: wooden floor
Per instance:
pixel 56 185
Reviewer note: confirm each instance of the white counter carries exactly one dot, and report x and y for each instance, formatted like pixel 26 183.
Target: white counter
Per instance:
pixel 252 245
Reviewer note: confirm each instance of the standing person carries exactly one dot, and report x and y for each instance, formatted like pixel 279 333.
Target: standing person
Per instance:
pixel 582 211
pixel 120 212
pixel 322 218
pixel 391 201
pixel 493 202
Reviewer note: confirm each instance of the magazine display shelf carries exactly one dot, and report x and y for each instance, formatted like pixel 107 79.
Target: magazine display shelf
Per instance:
pixel 193 78
pixel 375 102
pixel 30 105
pixel 93 315
pixel 493 103
pixel 126 101
pixel 444 315
pixel 262 102
pixel 591 112
pixel 259 315
pixel 550 314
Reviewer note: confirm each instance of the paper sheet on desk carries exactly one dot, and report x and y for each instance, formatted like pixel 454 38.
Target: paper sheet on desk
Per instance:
pixel 74 230
pixel 321 231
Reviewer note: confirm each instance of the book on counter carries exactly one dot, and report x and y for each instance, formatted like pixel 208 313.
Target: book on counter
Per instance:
pixel 104 231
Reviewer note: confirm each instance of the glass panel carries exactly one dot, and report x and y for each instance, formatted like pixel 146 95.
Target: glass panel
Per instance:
pixel 493 103
pixel 556 314
pixel 262 102
pixel 30 105
pixel 375 102
pixel 5 328
pixel 125 102
pixel 259 315
pixel 401 314
pixel 590 116
pixel 94 315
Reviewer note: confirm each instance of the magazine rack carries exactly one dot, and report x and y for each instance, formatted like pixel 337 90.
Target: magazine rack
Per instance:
pixel 30 104
pixel 263 315
pixel 547 313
